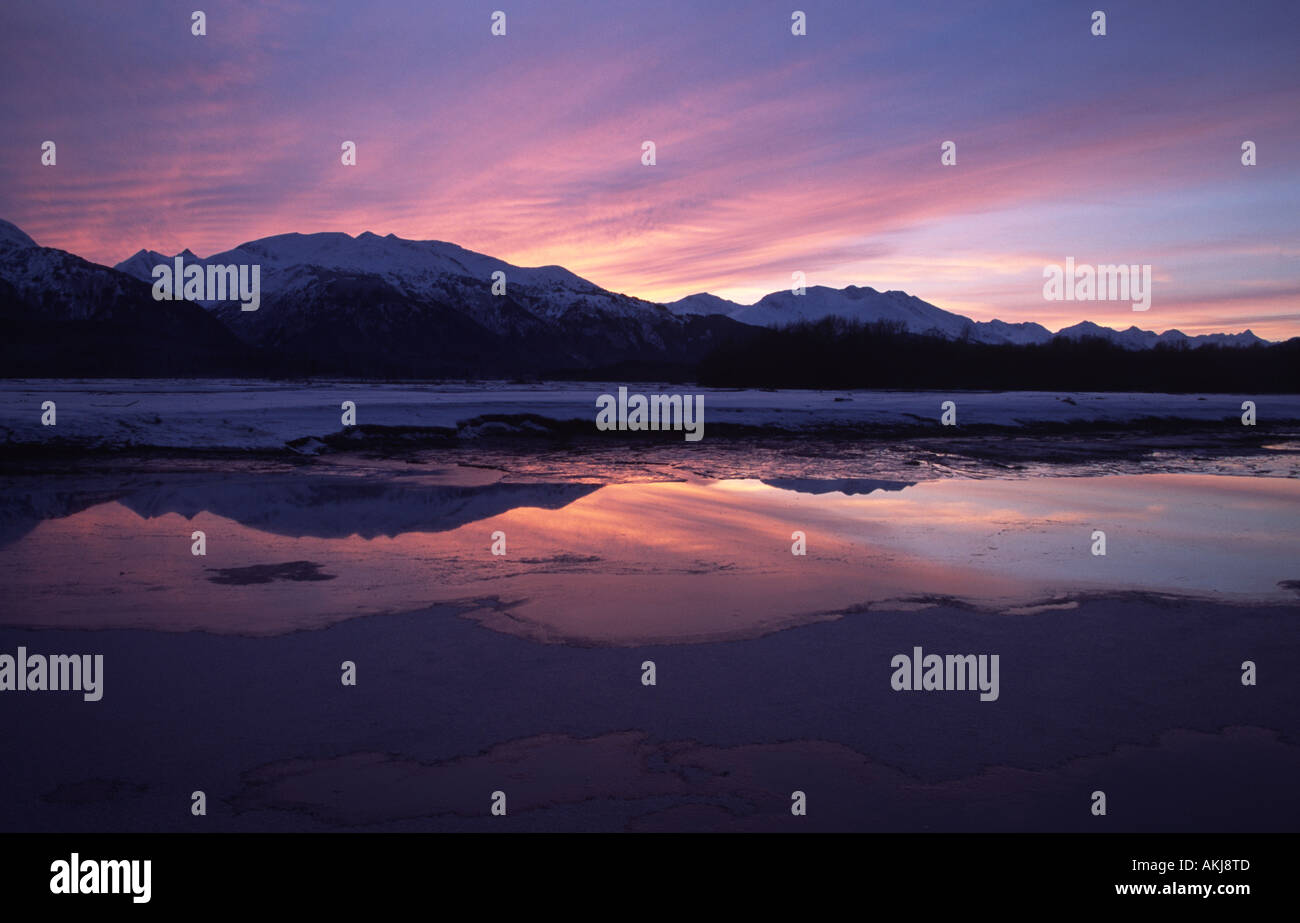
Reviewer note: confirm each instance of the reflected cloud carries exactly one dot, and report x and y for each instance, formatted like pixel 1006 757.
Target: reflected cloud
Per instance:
pixel 596 565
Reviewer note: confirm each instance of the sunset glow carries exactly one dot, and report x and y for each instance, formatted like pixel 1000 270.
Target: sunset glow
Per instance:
pixel 819 155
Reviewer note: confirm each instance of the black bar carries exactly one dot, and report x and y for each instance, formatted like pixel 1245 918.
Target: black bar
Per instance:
pixel 331 872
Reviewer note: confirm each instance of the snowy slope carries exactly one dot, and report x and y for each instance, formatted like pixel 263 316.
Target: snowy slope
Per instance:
pixel 13 236
pixel 66 315
pixel 853 303
pixel 386 305
pixel 1134 338
pixel 415 268
pixel 868 306
pixel 703 303
pixel 1020 334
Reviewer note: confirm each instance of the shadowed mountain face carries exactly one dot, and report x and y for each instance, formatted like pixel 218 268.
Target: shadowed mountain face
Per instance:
pixel 362 324
pixel 64 315
pixel 383 305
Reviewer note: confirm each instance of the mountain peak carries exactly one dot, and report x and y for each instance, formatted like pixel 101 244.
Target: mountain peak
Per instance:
pixel 429 269
pixel 865 304
pixel 13 235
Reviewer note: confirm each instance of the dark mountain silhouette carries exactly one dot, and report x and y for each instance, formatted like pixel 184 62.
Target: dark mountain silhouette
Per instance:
pixel 384 307
pixel 371 305
pixel 64 315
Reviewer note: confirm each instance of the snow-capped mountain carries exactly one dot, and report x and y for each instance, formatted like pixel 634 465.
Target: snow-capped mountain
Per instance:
pixel 853 303
pixel 368 305
pixel 64 313
pixel 1018 334
pixel 428 307
pixel 291 263
pixel 866 305
pixel 13 236
pixel 1134 338
pixel 57 286
pixel 703 304
pixel 297 268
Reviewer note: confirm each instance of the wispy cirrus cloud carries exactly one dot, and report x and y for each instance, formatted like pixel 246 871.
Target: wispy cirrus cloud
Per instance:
pixel 775 153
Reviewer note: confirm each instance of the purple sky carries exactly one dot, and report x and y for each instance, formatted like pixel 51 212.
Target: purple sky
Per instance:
pixel 775 153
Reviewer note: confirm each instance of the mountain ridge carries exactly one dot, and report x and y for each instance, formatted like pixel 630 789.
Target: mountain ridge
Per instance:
pixel 63 312
pixel 867 305
pixel 415 266
pixel 332 304
pixel 386 305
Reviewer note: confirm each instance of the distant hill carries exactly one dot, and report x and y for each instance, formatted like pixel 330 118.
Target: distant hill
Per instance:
pixel 843 354
pixel 868 306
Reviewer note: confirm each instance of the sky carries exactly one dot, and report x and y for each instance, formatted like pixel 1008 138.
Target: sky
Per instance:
pixel 775 153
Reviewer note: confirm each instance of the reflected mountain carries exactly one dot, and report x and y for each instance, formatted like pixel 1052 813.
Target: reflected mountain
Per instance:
pixel 316 507
pixel 592 565
pixel 22 510
pixel 847 486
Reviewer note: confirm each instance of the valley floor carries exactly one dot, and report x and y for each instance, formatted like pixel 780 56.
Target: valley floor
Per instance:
pixel 523 671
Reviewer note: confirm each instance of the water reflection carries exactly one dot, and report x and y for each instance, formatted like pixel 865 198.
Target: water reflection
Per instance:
pixel 631 563
pixel 297 505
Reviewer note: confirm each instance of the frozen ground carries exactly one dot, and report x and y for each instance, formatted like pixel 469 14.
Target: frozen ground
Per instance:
pixel 240 414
